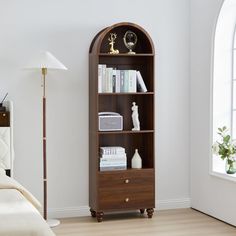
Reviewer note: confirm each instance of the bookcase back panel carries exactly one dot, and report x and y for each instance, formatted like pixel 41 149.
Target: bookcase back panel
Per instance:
pixel 143 44
pixel 143 142
pixel 144 64
pixel 123 103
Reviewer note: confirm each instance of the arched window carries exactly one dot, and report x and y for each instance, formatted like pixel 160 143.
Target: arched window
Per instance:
pixel 224 76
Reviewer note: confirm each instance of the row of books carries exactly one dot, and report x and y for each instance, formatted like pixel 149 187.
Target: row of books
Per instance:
pixel 111 80
pixel 112 158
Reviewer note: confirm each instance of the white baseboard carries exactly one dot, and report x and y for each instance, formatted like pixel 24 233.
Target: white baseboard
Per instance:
pixel 173 203
pixel 67 212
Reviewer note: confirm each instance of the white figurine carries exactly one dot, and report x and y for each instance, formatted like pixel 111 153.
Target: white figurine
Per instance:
pixel 135 119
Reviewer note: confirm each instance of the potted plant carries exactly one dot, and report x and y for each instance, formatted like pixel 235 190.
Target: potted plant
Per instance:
pixel 226 149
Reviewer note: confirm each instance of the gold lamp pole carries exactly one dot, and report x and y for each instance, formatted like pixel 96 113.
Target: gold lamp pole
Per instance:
pixel 46 61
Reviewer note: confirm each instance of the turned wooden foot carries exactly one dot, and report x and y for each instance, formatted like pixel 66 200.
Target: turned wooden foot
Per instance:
pixel 150 212
pixel 142 211
pixel 99 216
pixel 93 213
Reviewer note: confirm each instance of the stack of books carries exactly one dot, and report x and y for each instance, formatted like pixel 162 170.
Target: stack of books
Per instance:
pixel 111 80
pixel 112 158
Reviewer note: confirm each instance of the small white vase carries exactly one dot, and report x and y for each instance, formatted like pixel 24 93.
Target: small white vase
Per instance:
pixel 136 162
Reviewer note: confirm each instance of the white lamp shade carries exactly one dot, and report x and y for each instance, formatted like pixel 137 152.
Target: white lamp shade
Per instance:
pixel 45 60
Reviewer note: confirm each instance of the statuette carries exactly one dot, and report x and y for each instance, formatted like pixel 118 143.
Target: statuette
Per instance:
pixel 135 118
pixel 112 39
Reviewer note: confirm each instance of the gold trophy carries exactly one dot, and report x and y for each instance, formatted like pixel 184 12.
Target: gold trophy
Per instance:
pixel 112 38
pixel 130 41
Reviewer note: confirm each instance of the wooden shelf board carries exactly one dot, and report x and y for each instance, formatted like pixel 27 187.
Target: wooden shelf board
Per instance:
pixel 119 94
pixel 126 132
pixel 127 170
pixel 127 55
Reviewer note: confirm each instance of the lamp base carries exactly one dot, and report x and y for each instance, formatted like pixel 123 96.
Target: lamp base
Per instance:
pixel 53 222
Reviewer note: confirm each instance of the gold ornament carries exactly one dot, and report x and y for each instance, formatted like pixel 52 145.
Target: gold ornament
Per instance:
pixel 112 38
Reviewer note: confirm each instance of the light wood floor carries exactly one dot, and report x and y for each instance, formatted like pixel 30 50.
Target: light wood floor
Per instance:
pixel 183 222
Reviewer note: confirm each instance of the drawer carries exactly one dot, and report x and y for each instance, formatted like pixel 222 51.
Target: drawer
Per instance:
pixel 131 189
pixel 130 178
pixel 111 199
pixel 5 119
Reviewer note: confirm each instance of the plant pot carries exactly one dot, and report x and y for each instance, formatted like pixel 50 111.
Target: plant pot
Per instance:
pixel 230 167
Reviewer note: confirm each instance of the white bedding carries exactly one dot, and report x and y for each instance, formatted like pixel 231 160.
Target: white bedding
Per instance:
pixel 18 213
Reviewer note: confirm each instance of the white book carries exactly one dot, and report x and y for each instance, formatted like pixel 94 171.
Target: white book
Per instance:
pixel 132 88
pixel 106 164
pixel 113 168
pixel 100 78
pixel 112 150
pixel 113 162
pixel 141 85
pixel 117 90
pixel 104 78
pixel 109 80
pixel 113 156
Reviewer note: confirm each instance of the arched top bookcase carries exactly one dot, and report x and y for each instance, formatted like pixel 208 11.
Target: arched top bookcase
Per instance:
pixel 116 81
pixel 100 43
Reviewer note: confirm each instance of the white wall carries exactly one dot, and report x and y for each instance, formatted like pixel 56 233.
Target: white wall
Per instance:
pixel 209 194
pixel 66 28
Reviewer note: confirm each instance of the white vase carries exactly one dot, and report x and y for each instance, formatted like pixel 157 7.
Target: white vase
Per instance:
pixel 136 162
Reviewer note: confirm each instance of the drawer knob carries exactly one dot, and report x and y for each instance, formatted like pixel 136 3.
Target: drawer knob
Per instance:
pixel 127 199
pixel 127 181
pixel 3 114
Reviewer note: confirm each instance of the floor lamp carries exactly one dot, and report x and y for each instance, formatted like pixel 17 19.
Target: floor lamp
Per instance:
pixel 45 61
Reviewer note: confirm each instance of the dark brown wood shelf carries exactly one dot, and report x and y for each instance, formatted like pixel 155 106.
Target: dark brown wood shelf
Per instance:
pixel 128 170
pixel 126 132
pixel 136 187
pixel 127 55
pixel 120 94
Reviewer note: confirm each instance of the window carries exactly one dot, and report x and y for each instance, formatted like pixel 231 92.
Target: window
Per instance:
pixel 224 77
pixel 233 108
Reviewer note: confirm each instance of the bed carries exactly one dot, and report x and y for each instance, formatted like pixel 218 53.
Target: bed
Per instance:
pixel 19 210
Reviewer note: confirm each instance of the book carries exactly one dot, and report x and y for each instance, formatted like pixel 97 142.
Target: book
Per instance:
pixel 132 84
pixel 126 81
pixel 114 80
pixel 108 80
pixel 117 89
pixel 109 168
pixel 106 164
pixel 141 85
pixel 122 81
pixel 100 78
pixel 114 159
pixel 112 150
pixel 113 156
pixel 103 78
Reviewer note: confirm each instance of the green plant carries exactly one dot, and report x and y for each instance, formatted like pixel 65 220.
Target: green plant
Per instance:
pixel 225 148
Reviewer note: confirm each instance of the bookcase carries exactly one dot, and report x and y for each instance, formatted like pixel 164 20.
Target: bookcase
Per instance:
pixel 130 189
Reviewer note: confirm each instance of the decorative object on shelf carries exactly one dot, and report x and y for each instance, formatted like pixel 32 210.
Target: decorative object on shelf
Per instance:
pixel 136 162
pixel 110 121
pixel 130 41
pixel 112 158
pixel 112 39
pixel 45 61
pixel 135 118
pixel 3 108
pixel 226 149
